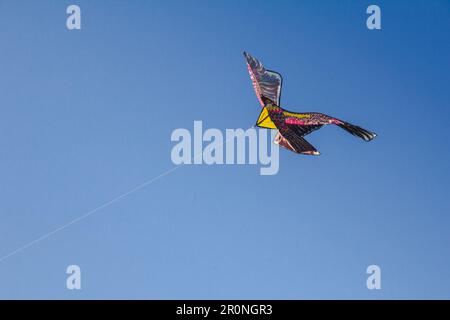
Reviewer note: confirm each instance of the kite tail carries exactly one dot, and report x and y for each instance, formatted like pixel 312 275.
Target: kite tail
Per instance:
pixel 357 131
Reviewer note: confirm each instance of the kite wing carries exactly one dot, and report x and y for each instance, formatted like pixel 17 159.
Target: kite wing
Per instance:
pixel 294 142
pixel 302 131
pixel 267 84
pixel 297 126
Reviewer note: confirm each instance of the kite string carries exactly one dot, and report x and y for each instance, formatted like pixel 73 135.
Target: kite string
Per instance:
pixel 107 204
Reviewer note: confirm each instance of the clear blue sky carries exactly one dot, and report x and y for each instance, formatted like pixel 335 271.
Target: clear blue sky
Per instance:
pixel 87 115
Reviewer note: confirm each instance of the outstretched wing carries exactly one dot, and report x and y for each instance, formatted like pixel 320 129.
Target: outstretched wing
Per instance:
pixel 291 136
pixel 295 143
pixel 267 84
pixel 302 131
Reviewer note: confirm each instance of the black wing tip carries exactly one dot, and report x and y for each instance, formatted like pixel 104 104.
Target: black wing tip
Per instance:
pixel 362 133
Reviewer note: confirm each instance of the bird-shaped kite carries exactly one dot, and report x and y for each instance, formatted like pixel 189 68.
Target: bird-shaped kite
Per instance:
pixel 292 126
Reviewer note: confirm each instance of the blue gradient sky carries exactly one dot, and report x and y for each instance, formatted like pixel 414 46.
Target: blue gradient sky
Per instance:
pixel 87 115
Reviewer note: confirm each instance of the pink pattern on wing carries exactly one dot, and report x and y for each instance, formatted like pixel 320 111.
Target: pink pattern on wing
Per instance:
pixel 295 121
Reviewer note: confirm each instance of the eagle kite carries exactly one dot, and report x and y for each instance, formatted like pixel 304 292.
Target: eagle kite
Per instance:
pixel 291 126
